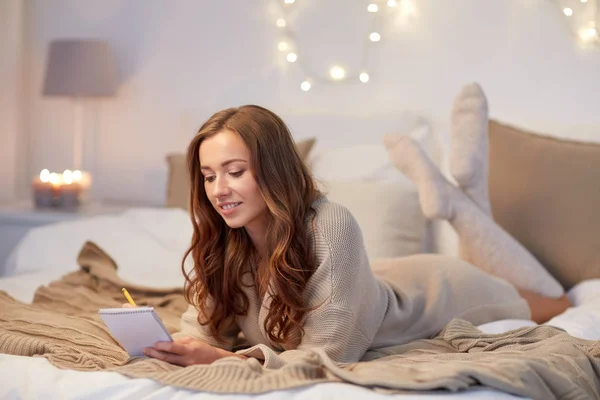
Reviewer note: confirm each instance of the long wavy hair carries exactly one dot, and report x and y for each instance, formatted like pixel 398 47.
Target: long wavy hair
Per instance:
pixel 222 255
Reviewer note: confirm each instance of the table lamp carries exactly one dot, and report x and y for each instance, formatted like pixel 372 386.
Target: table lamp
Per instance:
pixel 79 69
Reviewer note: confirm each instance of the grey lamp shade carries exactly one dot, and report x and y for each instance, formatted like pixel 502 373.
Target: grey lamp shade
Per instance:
pixel 80 68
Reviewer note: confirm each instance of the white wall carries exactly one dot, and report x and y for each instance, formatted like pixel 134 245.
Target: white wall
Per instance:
pixel 182 60
pixel 11 21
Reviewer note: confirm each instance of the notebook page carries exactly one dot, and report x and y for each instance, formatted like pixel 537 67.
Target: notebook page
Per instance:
pixel 135 328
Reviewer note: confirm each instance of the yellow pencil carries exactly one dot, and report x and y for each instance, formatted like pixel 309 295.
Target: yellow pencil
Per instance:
pixel 128 297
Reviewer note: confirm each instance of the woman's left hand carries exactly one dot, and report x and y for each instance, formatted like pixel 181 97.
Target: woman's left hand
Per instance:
pixel 184 351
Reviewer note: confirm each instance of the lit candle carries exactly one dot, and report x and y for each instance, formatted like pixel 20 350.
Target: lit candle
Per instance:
pixel 66 190
pixel 70 189
pixel 43 193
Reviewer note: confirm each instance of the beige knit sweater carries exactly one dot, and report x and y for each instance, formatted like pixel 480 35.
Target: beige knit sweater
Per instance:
pixel 359 308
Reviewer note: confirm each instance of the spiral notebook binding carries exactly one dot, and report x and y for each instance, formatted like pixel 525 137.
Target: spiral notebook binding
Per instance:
pixel 121 311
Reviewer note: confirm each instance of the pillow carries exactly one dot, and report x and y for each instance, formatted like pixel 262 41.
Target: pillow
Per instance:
pixel 304 147
pixel 546 193
pixel 363 162
pixel 178 185
pixel 389 215
pixel 384 202
pixel 177 182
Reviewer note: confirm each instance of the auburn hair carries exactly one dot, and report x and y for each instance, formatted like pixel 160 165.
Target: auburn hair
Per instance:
pixel 223 255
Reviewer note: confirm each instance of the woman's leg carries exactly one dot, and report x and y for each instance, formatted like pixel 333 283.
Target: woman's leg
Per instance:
pixel 489 246
pixel 469 166
pixel 469 146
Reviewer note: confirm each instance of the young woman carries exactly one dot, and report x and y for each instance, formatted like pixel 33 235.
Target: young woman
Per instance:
pixel 274 259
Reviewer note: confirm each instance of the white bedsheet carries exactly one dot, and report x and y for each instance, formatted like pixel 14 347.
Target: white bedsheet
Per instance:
pixel 148 244
pixel 24 378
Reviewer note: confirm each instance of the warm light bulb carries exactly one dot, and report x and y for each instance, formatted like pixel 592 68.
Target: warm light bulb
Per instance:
pixel 44 175
pixel 67 176
pixel 364 77
pixel 391 3
pixel 375 37
pixel 281 23
pixel 54 178
pixel 77 175
pixel 588 34
pixel 337 73
pixel 584 1
pixel 408 9
pixel 305 86
pixel 282 46
pixel 372 8
pixel 292 57
pixel 568 11
pixel 289 1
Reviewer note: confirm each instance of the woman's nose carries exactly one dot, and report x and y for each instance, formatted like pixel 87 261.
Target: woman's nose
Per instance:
pixel 221 187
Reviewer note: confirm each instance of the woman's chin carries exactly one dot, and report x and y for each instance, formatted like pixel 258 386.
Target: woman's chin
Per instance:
pixel 233 224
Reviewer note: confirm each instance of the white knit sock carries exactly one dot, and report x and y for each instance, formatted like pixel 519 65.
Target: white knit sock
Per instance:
pixel 490 248
pixel 469 145
pixel 409 158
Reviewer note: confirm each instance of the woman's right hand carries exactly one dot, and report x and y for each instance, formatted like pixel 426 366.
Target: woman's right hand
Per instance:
pixel 126 305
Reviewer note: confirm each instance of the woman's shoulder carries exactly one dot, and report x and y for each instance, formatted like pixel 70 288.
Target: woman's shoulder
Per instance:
pixel 334 221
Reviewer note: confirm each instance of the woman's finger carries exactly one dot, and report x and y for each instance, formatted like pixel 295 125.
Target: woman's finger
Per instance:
pixel 172 347
pixel 164 356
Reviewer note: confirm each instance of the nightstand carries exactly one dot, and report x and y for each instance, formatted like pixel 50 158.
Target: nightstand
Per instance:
pixel 19 217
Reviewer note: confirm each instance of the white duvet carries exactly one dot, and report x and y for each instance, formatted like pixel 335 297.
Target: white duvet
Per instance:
pixel 147 244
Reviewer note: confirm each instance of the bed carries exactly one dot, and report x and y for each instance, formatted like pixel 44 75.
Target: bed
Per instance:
pixel 165 231
pixel 154 239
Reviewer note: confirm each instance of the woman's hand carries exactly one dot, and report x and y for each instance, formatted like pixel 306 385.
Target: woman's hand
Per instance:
pixel 186 351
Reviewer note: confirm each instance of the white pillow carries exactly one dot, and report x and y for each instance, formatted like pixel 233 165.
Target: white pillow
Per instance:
pixel 388 214
pixel 384 202
pixel 362 162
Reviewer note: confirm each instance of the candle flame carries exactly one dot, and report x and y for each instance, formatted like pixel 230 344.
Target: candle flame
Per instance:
pixel 67 176
pixel 44 175
pixel 54 178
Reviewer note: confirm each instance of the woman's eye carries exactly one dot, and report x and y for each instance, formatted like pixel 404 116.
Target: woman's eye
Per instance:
pixel 236 174
pixel 209 178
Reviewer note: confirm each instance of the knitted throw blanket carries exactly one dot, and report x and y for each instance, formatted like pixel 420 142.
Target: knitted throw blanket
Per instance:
pixel 63 326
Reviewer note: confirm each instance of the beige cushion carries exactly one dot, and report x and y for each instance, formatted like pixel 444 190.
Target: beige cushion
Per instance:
pixel 177 181
pixel 389 215
pixel 546 193
pixel 304 147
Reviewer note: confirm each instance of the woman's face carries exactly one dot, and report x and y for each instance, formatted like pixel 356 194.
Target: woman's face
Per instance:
pixel 229 183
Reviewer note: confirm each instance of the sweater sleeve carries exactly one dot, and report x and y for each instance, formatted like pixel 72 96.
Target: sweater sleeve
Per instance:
pixel 189 326
pixel 350 303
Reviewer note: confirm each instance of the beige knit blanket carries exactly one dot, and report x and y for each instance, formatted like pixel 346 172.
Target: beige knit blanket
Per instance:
pixel 63 326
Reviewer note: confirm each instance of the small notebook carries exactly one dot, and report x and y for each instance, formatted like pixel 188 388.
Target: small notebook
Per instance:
pixel 135 328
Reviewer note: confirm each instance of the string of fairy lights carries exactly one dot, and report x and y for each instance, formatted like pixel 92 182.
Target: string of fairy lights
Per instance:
pixel 377 11
pixel 581 17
